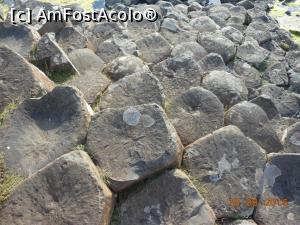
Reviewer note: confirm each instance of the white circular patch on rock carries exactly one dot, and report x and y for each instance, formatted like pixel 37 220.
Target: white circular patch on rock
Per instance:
pixel 131 116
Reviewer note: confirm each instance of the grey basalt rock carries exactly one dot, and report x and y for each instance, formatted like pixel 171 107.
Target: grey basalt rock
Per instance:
pixel 178 74
pixel 229 89
pixel 248 73
pixel 169 198
pixel 252 53
pixel 226 164
pixel 217 43
pixel 293 59
pixel 153 48
pixel 20 80
pixel 287 103
pixel 132 143
pixel 19 38
pixel 195 113
pixel 240 222
pixel 239 12
pixel 212 61
pixel 291 138
pixel 276 74
pixel 204 24
pixel 70 39
pixel 233 34
pixel 115 47
pixel 191 48
pixel 219 11
pixel 124 66
pixel 41 130
pixel 267 104
pixel 69 190
pixel 254 123
pixel 91 81
pixel 279 201
pixel 258 31
pixel 136 89
pixel 51 58
pixel 294 81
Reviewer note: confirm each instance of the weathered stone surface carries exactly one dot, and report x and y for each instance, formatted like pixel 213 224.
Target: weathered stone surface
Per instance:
pixel 50 58
pixel 239 12
pixel 136 30
pixel 70 39
pixel 233 34
pixel 40 130
pixel 293 58
pixel 252 53
pixel 169 198
pixel 254 123
pixel 249 74
pixel 277 74
pixel 124 66
pixel 229 89
pixel 91 81
pixel 178 74
pixel 19 80
pixel 67 191
pixel 136 89
pixel 258 31
pixel 212 61
pixel 287 104
pixel 291 138
pixel 204 24
pixel 219 11
pixel 132 143
pixel 19 38
pixel 240 222
pixel 267 104
pixel 294 82
pixel 115 47
pixel 195 113
pixel 280 184
pixel 153 48
pixel 191 48
pixel 217 43
pixel 225 164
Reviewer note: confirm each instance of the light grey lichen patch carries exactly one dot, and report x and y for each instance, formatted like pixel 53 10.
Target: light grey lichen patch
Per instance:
pixel 235 163
pixel 259 173
pixel 147 121
pixel 132 116
pixel 290 216
pixel 1 61
pixel 295 139
pixel 270 174
pixel 244 182
pixel 153 214
pixel 223 166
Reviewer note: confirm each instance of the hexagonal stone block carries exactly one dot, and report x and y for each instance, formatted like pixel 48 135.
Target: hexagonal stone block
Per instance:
pixel 254 122
pixel 178 74
pixel 132 143
pixel 40 130
pixel 225 166
pixel 67 191
pixel 136 89
pixel 20 38
pixel 169 198
pixel 279 202
pixel 195 113
pixel 20 80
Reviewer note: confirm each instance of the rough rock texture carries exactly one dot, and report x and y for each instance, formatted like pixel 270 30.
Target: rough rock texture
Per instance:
pixel 195 113
pixel 276 73
pixel 67 191
pixel 217 43
pixel 19 80
pixel 50 58
pixel 293 58
pixel 291 138
pixel 240 222
pixel 191 48
pixel 169 198
pixel 124 66
pixel 233 34
pixel 229 89
pixel 70 39
pixel 136 89
pixel 267 104
pixel 160 48
pixel 178 74
pixel 19 38
pixel 212 61
pixel 132 143
pixel 224 165
pixel 91 81
pixel 41 130
pixel 254 123
pixel 279 202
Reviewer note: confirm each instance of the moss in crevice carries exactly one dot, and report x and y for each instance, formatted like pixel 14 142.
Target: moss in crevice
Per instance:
pixel 8 180
pixel 7 110
pixel 60 76
pixel 296 36
pixel 262 66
